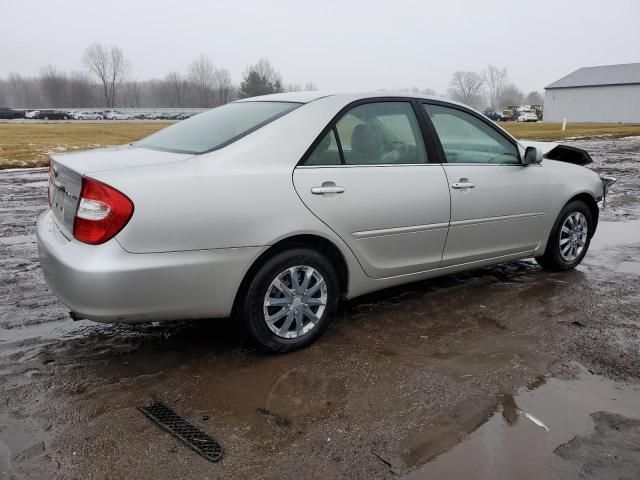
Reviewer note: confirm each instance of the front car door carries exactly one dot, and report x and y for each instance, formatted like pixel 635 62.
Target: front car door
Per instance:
pixel 499 206
pixel 368 178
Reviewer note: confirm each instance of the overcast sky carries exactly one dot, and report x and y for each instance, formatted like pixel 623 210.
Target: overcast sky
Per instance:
pixel 335 44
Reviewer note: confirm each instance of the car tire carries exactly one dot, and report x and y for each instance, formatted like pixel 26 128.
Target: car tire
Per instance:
pixel 291 327
pixel 568 242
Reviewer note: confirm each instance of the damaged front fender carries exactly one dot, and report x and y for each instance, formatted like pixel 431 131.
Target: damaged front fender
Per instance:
pixel 561 153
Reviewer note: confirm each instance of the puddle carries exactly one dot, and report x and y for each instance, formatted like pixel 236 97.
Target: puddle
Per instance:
pixel 629 267
pixel 17 444
pixel 615 233
pixel 514 441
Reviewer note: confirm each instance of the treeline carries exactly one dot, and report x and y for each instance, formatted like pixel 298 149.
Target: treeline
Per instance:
pixel 107 82
pixel 490 89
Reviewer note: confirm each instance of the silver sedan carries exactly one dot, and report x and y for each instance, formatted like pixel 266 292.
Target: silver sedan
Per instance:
pixel 273 209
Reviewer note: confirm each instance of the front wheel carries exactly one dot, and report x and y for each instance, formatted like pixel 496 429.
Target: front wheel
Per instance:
pixel 289 301
pixel 569 239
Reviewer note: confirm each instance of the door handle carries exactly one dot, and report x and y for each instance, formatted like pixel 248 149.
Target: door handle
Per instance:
pixel 327 187
pixel 463 185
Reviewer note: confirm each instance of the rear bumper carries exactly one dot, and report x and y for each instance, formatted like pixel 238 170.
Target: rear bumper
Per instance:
pixel 106 283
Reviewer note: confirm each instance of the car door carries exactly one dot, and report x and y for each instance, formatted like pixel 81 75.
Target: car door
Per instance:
pixel 498 205
pixel 368 178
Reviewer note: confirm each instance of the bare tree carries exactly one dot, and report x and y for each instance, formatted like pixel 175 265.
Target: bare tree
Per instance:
pixel 81 91
pixel 424 91
pixel 510 95
pixel 222 86
pixel 467 87
pixel 201 76
pixel 54 86
pixel 109 66
pixel 495 80
pixel 23 91
pixel 310 86
pixel 174 87
pixel 260 79
pixel 131 94
pixel 4 92
pixel 534 98
pixel 266 71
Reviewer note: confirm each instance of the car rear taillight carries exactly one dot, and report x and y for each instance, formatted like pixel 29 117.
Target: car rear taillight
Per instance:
pixel 102 212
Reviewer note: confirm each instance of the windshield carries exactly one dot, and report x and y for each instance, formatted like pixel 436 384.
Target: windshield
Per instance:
pixel 216 128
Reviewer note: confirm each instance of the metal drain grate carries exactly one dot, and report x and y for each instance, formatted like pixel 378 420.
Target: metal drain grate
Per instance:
pixel 179 427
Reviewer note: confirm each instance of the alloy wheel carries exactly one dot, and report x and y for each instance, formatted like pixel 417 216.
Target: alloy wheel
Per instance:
pixel 295 301
pixel 573 236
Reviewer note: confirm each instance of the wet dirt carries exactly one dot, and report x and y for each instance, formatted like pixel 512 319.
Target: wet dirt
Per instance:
pixel 401 381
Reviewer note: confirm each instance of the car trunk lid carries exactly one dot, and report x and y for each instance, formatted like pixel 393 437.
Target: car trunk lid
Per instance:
pixel 67 170
pixel 113 158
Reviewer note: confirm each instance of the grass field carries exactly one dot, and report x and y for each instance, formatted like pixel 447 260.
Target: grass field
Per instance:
pixel 27 144
pixel 553 131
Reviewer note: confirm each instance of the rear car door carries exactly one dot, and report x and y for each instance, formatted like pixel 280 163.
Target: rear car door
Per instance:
pixel 368 178
pixel 498 205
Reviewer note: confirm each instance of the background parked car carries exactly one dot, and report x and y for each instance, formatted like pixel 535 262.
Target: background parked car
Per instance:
pixel 527 117
pixel 9 113
pixel 495 116
pixel 87 116
pixel 113 115
pixel 33 114
pixel 54 115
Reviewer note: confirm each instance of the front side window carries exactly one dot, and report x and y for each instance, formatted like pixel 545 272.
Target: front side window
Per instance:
pixel 217 127
pixel 467 139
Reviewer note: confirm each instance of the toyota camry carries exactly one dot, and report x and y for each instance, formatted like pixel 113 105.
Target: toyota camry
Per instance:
pixel 270 210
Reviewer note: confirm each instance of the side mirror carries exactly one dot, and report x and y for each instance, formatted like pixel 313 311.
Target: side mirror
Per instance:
pixel 531 156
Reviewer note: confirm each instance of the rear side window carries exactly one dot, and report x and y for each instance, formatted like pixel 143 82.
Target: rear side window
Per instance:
pixel 379 133
pixel 467 139
pixel 327 152
pixel 217 127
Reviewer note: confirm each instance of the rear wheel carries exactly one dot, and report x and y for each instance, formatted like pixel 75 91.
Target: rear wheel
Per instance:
pixel 289 301
pixel 570 238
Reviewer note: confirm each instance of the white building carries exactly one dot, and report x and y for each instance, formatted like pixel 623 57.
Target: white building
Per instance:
pixel 608 94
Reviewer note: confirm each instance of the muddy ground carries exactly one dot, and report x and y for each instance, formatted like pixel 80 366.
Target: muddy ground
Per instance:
pixel 503 372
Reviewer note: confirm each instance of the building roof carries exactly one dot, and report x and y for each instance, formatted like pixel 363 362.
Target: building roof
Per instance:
pixel 624 74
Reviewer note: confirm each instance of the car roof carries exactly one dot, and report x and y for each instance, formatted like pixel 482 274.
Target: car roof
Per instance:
pixel 310 96
pixel 351 96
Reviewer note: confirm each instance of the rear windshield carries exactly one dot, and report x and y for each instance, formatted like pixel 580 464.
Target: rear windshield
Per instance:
pixel 217 127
